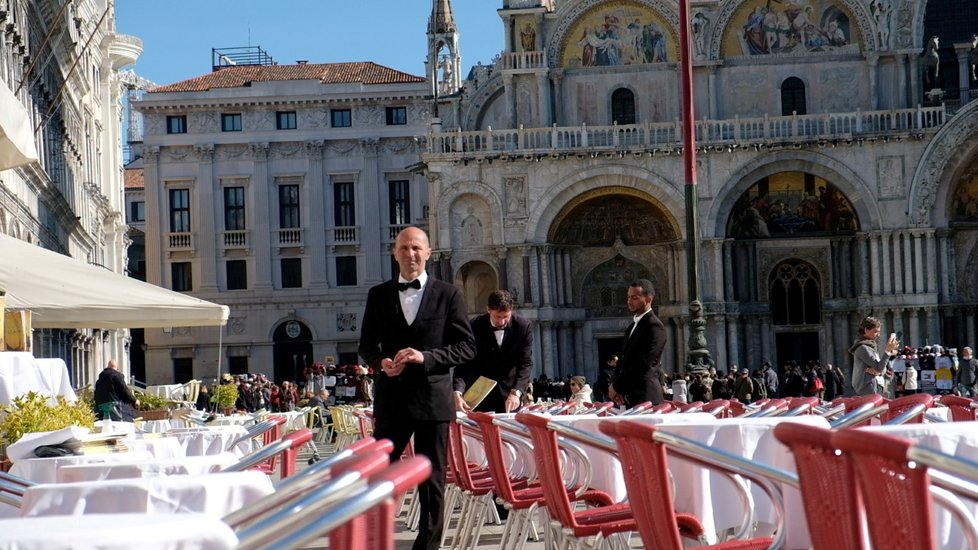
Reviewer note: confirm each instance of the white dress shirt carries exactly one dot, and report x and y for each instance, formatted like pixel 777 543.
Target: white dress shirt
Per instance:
pixel 411 297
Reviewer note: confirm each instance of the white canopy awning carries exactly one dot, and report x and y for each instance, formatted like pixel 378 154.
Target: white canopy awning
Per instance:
pixel 16 134
pixel 63 292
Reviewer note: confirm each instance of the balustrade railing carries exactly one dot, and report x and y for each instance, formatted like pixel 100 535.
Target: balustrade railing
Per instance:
pixel 523 60
pixel 180 241
pixel 289 237
pixel 343 235
pixel 658 135
pixel 235 239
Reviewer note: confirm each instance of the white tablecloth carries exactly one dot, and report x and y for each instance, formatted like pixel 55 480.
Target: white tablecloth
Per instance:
pixel 213 494
pixel 117 532
pixel 21 373
pixel 45 470
pixel 955 438
pixel 210 440
pixel 159 447
pixel 233 420
pixel 189 465
pixel 294 420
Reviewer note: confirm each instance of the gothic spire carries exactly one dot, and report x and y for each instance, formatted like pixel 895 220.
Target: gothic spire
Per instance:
pixel 442 19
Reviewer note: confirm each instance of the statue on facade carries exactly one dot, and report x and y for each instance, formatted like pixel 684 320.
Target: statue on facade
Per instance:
pixel 931 62
pixel 698 24
pixel 881 10
pixel 973 56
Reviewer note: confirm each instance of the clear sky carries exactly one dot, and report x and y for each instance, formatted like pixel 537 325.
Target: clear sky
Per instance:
pixel 178 35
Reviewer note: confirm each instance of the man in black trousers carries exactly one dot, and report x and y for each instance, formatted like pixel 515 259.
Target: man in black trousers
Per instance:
pixel 414 330
pixel 638 374
pixel 504 353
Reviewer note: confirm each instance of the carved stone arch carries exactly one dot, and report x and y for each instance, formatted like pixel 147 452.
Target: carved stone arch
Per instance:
pixel 642 183
pixel 488 93
pixel 856 190
pixel 859 10
pixel 478 280
pixel 448 197
pixel 911 14
pixel 967 278
pixel 932 181
pixel 569 13
pixel 794 289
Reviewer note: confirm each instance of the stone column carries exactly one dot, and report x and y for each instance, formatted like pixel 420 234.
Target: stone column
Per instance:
pixel 156 216
pixel 908 271
pixel 728 278
pixel 969 323
pixel 886 248
pixel 711 89
pixel 557 268
pixel 545 286
pixel 913 60
pixel 581 364
pixel 568 279
pixel 370 183
pixel 565 361
pixel 913 335
pixel 547 348
pixel 557 78
pixel 527 294
pixel 261 230
pixel 918 247
pixel 936 252
pixel 535 290
pixel 207 230
pixel 861 269
pixel 733 341
pixel 962 50
pixel 874 257
pixel 932 333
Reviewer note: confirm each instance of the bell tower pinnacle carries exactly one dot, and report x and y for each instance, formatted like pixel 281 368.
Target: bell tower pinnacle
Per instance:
pixel 444 65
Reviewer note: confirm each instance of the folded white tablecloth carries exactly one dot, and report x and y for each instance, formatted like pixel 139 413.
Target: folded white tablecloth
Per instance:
pixel 20 373
pixel 45 470
pixel 117 532
pixel 214 494
pixel 188 465
pixel 211 440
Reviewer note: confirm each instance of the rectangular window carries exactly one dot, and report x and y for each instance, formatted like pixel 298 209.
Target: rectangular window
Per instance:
pixel 291 272
pixel 183 370
pixel 288 206
pixel 234 209
pixel 346 271
pixel 176 124
pixel 344 211
pixel 179 210
pixel 137 211
pixel 231 123
pixel 396 116
pixel 340 118
pixel 182 275
pixel 238 365
pixel 285 120
pixel 399 201
pixel 237 273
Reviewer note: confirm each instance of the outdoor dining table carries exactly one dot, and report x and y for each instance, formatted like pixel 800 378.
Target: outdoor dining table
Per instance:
pixel 159 447
pixel 117 532
pixel 21 372
pixel 955 438
pixel 189 465
pixel 45 470
pixel 214 494
pixel 209 440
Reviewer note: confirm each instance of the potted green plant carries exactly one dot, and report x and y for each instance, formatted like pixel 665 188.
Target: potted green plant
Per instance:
pixel 33 412
pixel 154 407
pixel 225 396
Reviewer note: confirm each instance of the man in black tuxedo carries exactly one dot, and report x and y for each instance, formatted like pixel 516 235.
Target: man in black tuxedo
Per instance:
pixel 638 374
pixel 504 353
pixel 414 330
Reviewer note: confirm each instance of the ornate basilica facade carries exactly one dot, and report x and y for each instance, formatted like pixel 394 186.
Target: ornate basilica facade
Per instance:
pixel 837 174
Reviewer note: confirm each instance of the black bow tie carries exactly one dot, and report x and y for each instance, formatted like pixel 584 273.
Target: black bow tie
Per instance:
pixel 498 329
pixel 413 284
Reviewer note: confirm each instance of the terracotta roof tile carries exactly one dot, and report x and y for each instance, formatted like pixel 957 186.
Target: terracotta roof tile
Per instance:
pixel 365 72
pixel 134 178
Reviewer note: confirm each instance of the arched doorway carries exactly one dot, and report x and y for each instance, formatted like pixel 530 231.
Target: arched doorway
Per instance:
pixel 477 281
pixel 796 310
pixel 292 351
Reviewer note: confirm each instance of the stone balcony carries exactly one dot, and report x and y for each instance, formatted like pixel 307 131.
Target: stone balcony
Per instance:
pixel 665 137
pixel 343 235
pixel 518 61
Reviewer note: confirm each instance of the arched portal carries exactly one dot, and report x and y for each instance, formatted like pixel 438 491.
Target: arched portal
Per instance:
pixel 477 280
pixel 292 350
pixel 796 310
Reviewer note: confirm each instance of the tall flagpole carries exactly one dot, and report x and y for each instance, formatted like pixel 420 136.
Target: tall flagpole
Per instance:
pixel 698 358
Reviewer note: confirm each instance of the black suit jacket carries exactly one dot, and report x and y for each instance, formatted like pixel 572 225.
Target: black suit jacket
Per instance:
pixel 638 374
pixel 441 331
pixel 510 365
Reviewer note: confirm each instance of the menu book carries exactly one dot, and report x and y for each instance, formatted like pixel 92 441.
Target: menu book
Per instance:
pixel 478 391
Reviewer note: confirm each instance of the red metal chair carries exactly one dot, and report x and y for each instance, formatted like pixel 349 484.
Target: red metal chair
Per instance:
pixel 695 406
pixel 799 404
pixel 718 407
pixel 650 491
pixel 476 487
pixel 298 438
pixel 828 487
pixel 269 437
pixel 901 513
pixel 961 408
pixel 601 521
pixel 898 406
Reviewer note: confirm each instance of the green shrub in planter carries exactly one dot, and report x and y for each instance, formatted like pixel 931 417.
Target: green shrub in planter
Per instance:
pixel 32 413
pixel 225 395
